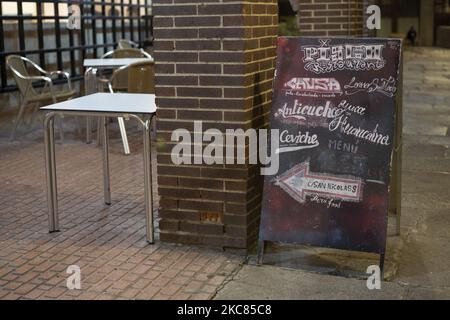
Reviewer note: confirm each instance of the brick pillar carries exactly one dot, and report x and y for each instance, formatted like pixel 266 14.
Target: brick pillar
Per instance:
pixel 215 63
pixel 331 17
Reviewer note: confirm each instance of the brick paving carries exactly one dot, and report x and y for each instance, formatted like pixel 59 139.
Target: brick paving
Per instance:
pixel 106 242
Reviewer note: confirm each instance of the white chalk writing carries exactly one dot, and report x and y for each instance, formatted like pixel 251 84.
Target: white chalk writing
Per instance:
pixel 297 141
pixel 328 58
pixel 299 111
pixel 380 85
pixel 318 85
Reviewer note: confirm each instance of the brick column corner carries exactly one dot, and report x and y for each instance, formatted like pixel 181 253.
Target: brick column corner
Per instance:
pixel 215 63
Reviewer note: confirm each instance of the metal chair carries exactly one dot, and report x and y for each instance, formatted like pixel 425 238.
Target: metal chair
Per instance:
pixel 121 83
pixel 126 44
pixel 29 95
pixel 140 79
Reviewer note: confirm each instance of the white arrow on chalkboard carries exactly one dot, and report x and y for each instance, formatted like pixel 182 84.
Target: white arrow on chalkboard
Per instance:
pixel 299 182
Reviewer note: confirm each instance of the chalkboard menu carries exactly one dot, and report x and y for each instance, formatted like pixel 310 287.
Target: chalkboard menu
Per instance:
pixel 334 104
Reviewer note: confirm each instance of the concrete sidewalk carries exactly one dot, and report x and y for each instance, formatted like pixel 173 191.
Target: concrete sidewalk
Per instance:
pixel 418 262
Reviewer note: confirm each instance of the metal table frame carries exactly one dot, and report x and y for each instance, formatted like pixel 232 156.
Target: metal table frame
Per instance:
pixel 111 63
pixel 50 163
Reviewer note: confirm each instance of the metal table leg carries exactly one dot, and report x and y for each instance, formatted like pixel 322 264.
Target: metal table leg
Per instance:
pixel 90 79
pixel 50 166
pixel 105 139
pixel 148 190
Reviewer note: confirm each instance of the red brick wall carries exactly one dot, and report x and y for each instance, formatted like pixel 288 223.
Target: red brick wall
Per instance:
pixel 214 62
pixel 331 17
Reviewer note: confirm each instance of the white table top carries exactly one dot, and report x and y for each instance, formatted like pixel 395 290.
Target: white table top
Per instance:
pixel 112 62
pixel 133 103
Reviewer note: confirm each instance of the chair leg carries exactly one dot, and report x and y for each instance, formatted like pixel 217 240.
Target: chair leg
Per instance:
pixel 123 133
pixel 99 133
pixel 18 118
pixel 33 114
pixel 88 129
pixel 60 127
pixel 19 98
pixel 79 130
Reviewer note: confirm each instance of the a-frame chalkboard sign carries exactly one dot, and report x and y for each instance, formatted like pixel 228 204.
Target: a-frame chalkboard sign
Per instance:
pixel 335 104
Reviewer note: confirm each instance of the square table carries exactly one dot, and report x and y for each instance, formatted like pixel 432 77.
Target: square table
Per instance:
pixel 128 105
pixel 111 63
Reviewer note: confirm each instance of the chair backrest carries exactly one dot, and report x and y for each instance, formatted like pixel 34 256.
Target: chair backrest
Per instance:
pixel 120 82
pixel 20 72
pixel 127 44
pixel 140 78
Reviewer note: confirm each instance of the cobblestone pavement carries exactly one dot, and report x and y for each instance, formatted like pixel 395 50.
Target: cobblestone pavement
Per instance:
pixel 418 262
pixel 106 242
